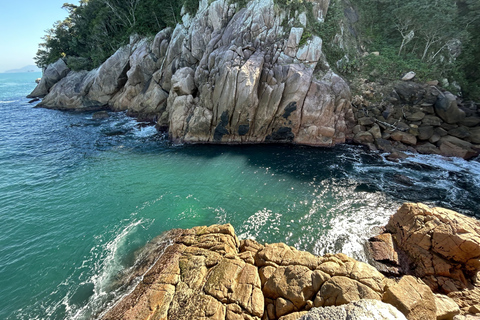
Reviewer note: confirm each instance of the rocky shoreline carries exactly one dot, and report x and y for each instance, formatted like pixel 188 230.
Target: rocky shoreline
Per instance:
pixel 208 273
pixel 231 75
pixel 417 118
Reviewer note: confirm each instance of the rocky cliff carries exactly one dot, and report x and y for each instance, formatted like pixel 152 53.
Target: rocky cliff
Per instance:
pixel 208 273
pixel 226 75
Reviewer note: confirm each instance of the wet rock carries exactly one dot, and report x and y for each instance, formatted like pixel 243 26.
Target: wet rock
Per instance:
pixel 384 145
pixel 427 148
pixel 402 179
pixel 100 115
pixel 397 155
pixel 454 147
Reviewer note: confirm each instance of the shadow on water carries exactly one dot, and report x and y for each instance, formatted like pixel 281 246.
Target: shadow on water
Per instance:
pixel 430 181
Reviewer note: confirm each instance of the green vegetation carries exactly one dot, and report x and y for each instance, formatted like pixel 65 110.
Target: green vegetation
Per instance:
pixel 436 39
pixel 95 29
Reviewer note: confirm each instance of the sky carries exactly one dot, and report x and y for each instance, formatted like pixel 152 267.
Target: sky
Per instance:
pixel 23 24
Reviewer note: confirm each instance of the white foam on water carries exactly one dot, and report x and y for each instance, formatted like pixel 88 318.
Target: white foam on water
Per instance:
pixel 448 164
pixel 144 132
pixel 106 260
pixel 255 224
pixel 98 270
pixel 341 219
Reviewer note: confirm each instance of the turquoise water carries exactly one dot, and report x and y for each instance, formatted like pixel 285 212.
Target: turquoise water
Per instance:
pixel 79 196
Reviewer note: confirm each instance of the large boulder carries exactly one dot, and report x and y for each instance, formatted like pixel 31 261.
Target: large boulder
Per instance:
pixel 436 237
pixel 412 297
pixel 207 273
pixel 52 74
pixel 446 108
pixel 71 93
pixel 442 247
pixel 358 310
pixel 454 147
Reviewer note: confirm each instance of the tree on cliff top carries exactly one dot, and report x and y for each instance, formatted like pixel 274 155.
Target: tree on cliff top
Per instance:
pixel 439 39
pixel 95 29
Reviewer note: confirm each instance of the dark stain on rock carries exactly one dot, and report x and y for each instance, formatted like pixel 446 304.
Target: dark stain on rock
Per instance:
pixel 243 129
pixel 284 134
pixel 220 130
pixel 292 106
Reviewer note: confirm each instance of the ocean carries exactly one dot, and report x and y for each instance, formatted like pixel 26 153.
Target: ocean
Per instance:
pixel 80 196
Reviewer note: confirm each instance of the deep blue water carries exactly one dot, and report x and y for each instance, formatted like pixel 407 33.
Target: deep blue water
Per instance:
pixel 79 196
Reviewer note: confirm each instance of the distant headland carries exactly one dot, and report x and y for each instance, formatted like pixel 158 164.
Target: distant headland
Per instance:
pixel 29 68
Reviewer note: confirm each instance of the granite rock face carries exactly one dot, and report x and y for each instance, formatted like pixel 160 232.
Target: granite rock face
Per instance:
pixel 226 75
pixel 358 310
pixel 54 73
pixel 441 247
pixel 208 273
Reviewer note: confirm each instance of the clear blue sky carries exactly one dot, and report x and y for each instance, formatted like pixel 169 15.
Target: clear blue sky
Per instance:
pixel 23 24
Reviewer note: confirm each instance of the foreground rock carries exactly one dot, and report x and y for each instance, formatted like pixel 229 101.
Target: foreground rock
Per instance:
pixel 226 75
pixel 439 246
pixel 208 273
pixel 358 310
